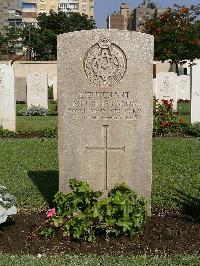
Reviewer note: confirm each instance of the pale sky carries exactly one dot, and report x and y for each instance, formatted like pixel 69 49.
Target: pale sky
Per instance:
pixel 103 7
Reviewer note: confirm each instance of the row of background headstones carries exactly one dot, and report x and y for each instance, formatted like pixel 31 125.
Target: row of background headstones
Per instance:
pixel 36 94
pixel 35 89
pixel 167 85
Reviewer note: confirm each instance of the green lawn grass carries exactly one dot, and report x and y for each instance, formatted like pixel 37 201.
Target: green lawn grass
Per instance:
pixel 184 110
pixel 176 171
pixel 29 169
pixel 20 106
pixel 96 260
pixel 183 107
pixel 36 123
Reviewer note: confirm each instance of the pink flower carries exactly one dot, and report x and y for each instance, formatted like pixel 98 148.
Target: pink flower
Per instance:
pixel 51 213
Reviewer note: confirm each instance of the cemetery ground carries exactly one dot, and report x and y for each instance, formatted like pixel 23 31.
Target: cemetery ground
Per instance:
pixel 36 123
pixel 29 169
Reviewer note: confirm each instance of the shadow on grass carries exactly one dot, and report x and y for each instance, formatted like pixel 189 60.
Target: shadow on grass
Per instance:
pixel 190 205
pixel 47 183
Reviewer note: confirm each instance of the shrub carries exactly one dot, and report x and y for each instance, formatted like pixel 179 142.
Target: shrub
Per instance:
pixel 34 111
pixel 50 92
pixel 50 132
pixel 5 133
pixel 193 129
pixel 183 101
pixel 7 204
pixel 122 212
pixel 53 109
pixel 80 215
pixel 165 119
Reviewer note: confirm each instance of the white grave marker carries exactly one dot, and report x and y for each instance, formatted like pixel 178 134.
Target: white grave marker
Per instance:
pixel 195 101
pixel 166 87
pixel 183 83
pixel 7 98
pixel 37 90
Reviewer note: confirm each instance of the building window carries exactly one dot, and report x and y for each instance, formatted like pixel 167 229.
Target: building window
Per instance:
pixel 84 7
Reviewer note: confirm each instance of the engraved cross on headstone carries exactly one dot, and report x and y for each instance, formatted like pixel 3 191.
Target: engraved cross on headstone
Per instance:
pixel 105 148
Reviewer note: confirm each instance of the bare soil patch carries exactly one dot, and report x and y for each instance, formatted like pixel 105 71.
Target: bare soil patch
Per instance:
pixel 165 233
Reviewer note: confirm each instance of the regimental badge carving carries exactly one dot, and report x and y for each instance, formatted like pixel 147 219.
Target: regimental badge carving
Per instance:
pixel 105 63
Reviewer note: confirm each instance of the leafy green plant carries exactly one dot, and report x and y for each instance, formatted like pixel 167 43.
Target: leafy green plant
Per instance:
pixel 50 132
pixel 7 204
pixel 80 215
pixel 5 133
pixel 122 212
pixel 193 129
pixel 34 111
pixel 47 231
pixel 165 119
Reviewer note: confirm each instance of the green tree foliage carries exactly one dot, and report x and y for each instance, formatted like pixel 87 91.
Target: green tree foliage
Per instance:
pixel 10 42
pixel 41 40
pixel 176 34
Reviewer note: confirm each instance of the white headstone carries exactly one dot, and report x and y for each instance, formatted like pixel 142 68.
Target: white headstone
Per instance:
pixel 55 88
pixel 37 90
pixel 7 97
pixel 183 83
pixel 166 87
pixel 195 101
pixel 105 109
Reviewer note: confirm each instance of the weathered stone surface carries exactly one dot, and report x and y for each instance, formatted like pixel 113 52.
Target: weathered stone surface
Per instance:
pixel 37 90
pixel 166 87
pixel 183 83
pixel 105 109
pixel 7 98
pixel 195 101
pixel 20 89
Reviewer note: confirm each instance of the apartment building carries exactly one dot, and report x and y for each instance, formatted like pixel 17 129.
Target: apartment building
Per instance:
pixel 125 11
pixel 120 20
pixel 144 11
pixel 43 6
pixel 68 5
pixel 31 9
pixel 10 13
pixel 126 19
pixel 82 6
